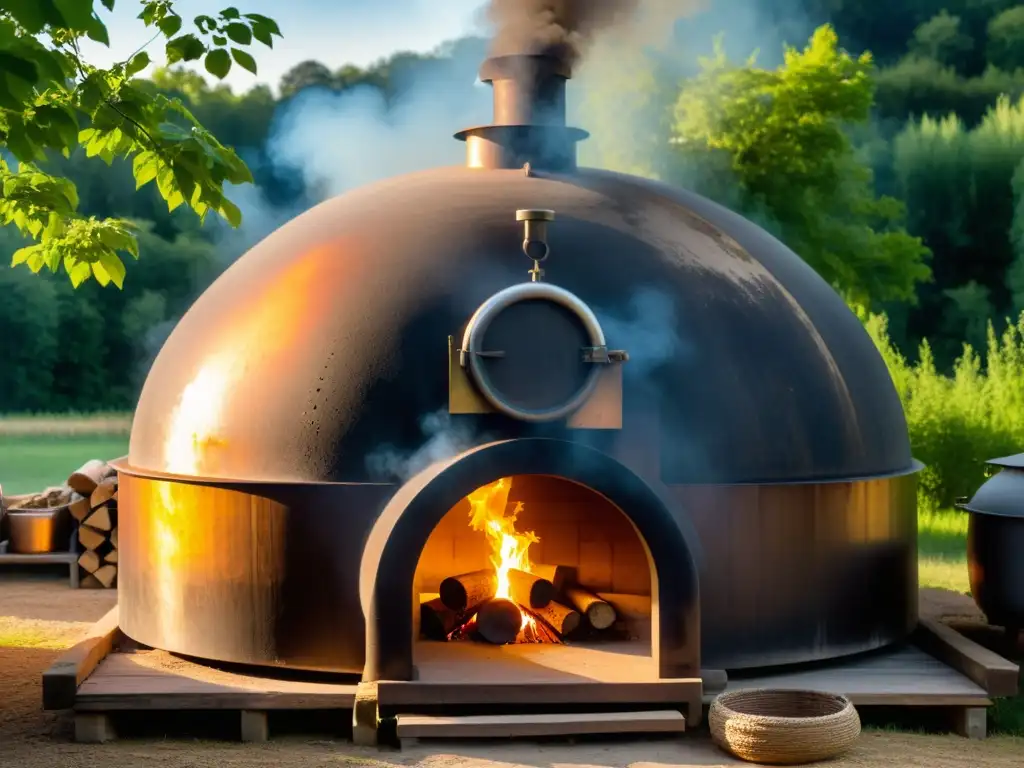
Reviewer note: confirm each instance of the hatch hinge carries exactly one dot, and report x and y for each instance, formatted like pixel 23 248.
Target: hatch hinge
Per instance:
pixel 604 356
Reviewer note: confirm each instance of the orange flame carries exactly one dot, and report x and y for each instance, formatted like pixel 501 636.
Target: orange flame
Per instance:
pixel 509 549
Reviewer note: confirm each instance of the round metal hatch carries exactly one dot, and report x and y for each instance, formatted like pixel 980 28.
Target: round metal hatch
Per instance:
pixel 1003 493
pixel 526 350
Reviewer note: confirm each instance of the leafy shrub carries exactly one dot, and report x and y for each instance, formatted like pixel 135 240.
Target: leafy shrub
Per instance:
pixel 959 421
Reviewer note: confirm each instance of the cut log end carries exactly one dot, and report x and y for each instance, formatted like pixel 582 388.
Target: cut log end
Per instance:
pixel 105 575
pixel 599 613
pixel 465 592
pixel 79 506
pixel 90 537
pixel 104 492
pixel 499 621
pixel 100 519
pixel 530 590
pixel 90 561
pixel 437 621
pixel 563 619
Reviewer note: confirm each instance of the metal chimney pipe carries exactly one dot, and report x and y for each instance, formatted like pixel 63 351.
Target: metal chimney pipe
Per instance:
pixel 528 90
pixel 529 116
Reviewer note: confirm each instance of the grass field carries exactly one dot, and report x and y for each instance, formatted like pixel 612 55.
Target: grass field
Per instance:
pixel 40 451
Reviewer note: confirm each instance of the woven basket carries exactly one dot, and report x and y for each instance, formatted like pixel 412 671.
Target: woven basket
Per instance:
pixel 783 727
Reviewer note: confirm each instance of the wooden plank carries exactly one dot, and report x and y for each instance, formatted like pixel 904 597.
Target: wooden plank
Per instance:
pixel 989 670
pixel 561 724
pixel 73 667
pixel 137 681
pixel 901 677
pixel 394 693
pixel 125 700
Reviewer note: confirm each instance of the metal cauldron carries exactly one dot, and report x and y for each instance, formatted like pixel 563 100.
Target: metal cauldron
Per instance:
pixel 995 545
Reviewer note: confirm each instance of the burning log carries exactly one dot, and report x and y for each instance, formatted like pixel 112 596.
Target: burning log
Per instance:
pixel 530 590
pixel 437 621
pixel 561 618
pixel 498 621
pixel 599 613
pixel 464 593
pixel 558 575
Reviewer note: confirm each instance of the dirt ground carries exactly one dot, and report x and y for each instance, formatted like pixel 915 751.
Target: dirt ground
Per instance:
pixel 37 607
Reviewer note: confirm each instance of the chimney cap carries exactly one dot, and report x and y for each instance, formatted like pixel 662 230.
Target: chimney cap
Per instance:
pixel 535 65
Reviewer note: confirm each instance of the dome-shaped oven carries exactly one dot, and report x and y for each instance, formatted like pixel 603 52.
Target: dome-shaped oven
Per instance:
pixel 672 346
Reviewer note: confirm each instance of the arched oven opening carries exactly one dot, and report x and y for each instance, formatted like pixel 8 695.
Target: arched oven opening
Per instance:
pixel 534 577
pixel 611 533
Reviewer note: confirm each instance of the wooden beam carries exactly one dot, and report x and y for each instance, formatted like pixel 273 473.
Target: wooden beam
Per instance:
pixel 999 677
pixel 560 724
pixel 61 680
pixel 394 694
pixel 365 716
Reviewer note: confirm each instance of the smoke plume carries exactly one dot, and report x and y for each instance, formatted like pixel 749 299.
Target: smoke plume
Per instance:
pixel 647 327
pixel 568 28
pixel 442 439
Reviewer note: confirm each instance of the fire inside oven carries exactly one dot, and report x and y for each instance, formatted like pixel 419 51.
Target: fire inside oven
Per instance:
pixel 534 559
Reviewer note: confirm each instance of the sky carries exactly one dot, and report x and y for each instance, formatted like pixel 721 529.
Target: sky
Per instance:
pixel 334 32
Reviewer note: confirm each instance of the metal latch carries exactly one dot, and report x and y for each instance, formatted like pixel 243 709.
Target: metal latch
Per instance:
pixel 497 353
pixel 604 356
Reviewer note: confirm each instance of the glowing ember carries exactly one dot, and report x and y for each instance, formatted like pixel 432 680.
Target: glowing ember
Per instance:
pixel 509 549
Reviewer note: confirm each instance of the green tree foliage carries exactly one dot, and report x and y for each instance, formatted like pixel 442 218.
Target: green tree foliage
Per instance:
pixel 959 421
pixel 958 186
pixel 307 74
pixel 942 39
pixel 780 134
pixel 88 349
pixel 1006 39
pixel 1015 275
pixel 53 101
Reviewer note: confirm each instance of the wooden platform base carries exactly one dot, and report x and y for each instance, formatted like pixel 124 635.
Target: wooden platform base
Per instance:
pixel 412 728
pixel 456 679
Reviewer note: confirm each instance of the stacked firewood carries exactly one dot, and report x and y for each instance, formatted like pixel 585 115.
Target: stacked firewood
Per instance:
pixel 553 604
pixel 94 506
